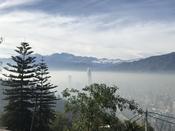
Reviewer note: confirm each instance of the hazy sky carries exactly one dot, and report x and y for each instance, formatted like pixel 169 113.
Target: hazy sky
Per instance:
pixel 123 29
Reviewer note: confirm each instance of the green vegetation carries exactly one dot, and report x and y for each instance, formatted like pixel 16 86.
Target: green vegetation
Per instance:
pixel 28 93
pixel 62 122
pixel 45 100
pixel 18 113
pixel 94 109
pixel 31 101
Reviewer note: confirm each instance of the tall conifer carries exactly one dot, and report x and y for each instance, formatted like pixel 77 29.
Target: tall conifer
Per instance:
pixel 45 99
pixel 18 93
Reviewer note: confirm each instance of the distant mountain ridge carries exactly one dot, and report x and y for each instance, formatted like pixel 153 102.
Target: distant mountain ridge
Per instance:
pixel 69 61
pixel 66 61
pixel 160 63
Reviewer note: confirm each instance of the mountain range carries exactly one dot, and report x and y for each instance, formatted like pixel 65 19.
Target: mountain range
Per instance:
pixel 66 61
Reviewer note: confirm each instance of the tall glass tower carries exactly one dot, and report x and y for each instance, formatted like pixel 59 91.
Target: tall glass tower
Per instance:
pixel 89 74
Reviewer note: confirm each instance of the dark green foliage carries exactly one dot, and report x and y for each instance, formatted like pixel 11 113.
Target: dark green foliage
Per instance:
pixel 44 99
pixel 31 99
pixel 19 82
pixel 95 107
pixel 61 123
pixel 133 126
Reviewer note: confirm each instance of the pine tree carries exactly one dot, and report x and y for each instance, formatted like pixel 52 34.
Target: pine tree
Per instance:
pixel 45 100
pixel 18 93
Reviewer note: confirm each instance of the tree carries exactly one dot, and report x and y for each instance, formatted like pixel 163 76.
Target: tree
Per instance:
pixel 95 107
pixel 19 82
pixel 61 123
pixel 133 126
pixel 44 99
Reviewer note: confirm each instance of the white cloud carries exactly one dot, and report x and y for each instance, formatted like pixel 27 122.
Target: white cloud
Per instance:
pixel 85 35
pixel 11 3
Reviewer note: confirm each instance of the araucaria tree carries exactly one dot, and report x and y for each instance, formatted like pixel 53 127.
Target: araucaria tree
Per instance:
pixel 45 100
pixel 19 82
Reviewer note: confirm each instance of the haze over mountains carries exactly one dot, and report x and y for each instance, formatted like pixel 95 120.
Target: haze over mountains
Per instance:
pixel 65 61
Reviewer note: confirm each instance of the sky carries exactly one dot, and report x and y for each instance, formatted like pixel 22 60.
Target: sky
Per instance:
pixel 125 29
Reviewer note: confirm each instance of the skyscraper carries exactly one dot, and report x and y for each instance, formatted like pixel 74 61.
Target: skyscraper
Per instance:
pixel 89 76
pixel 69 81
